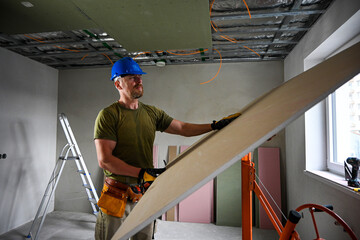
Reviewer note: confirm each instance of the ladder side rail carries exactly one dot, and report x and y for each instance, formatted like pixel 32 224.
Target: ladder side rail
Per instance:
pixel 56 178
pixel 71 138
pixel 50 184
pixel 88 192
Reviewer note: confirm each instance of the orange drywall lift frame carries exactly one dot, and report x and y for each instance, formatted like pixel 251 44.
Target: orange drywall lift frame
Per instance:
pixel 249 185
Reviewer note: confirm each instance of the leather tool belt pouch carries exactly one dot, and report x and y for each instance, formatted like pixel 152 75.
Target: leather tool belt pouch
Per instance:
pixel 113 200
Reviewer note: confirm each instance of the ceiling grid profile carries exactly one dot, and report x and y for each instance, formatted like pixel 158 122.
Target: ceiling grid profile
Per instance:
pixel 88 33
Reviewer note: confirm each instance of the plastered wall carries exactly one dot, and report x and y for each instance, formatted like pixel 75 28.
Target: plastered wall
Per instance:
pixel 28 109
pixel 301 188
pixel 176 89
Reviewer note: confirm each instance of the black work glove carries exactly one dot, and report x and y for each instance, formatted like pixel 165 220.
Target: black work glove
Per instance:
pixel 148 175
pixel 217 125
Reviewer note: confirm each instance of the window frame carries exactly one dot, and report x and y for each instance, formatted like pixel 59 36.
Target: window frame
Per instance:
pixel 331 136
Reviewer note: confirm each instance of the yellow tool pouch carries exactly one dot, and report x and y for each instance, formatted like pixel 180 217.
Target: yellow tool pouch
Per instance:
pixel 112 201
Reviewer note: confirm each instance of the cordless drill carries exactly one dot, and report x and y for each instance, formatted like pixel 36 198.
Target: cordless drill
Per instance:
pixel 355 163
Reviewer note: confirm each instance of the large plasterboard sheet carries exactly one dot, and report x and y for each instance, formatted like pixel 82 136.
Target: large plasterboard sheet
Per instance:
pixel 43 16
pixel 143 25
pixel 262 119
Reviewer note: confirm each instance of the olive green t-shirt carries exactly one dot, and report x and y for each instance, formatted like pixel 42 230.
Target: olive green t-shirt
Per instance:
pixel 133 130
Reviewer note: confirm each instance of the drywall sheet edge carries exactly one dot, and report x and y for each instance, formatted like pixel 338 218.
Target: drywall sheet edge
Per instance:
pixel 260 121
pixel 171 214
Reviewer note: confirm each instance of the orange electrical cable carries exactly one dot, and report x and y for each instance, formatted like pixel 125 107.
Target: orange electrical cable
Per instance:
pixel 67 49
pixel 107 58
pixel 247 8
pixel 216 28
pixel 251 50
pixel 230 39
pixel 84 57
pixel 218 69
pixel 212 25
pixel 185 54
pixel 140 54
pixel 233 40
pixel 33 38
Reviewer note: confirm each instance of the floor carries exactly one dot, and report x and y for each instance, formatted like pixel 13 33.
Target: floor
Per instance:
pixel 58 226
pixel 197 231
pixel 80 226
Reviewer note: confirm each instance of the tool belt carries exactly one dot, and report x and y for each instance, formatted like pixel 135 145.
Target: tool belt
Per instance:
pixel 114 196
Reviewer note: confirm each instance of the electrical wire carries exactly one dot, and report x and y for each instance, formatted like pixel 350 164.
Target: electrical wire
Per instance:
pixel 192 53
pixel 108 57
pixel 103 43
pixel 218 69
pixel 84 57
pixel 247 8
pixel 185 54
pixel 35 39
pixel 233 40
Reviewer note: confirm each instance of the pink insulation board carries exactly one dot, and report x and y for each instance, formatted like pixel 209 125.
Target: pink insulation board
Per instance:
pixel 198 207
pixel 269 174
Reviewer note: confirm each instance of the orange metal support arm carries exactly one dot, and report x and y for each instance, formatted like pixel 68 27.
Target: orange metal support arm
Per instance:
pixel 248 185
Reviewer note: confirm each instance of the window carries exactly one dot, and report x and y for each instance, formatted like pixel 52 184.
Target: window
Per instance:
pixel 343 125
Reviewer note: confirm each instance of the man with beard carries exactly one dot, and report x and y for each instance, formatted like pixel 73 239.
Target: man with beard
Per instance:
pixel 124 134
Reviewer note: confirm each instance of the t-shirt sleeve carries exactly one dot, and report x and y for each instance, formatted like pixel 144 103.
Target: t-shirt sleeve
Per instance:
pixel 105 125
pixel 162 119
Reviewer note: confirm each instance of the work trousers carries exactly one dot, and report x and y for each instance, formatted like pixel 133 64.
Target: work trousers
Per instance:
pixel 107 225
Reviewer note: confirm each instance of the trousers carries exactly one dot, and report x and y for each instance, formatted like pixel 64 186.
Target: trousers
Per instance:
pixel 107 225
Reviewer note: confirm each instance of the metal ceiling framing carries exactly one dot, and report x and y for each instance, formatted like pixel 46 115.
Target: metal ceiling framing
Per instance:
pixel 274 29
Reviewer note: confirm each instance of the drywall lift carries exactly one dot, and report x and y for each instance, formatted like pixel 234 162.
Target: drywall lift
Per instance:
pixel 287 232
pixel 70 146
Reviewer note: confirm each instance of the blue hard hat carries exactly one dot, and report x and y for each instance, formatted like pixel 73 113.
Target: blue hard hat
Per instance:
pixel 125 65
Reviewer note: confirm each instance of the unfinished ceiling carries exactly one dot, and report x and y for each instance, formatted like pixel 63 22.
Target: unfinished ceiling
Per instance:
pixel 87 34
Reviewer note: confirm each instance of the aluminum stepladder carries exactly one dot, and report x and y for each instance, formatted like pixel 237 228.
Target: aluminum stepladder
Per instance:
pixel 73 148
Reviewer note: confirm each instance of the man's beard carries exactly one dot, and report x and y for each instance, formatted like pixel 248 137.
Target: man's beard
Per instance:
pixel 137 92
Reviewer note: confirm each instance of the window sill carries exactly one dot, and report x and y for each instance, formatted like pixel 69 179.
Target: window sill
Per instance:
pixel 334 180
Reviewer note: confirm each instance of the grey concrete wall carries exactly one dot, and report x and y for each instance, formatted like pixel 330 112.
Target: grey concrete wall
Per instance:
pixel 28 109
pixel 300 187
pixel 176 89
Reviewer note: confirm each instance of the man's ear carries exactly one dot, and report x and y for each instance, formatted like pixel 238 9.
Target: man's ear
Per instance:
pixel 117 85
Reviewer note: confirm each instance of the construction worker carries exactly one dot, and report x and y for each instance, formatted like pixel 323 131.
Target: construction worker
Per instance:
pixel 124 134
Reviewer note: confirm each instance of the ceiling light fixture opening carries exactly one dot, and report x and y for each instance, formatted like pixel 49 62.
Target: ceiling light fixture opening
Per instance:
pixel 27 4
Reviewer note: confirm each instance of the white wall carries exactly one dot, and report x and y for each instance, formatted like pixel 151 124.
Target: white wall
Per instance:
pixel 301 188
pixel 174 88
pixel 28 109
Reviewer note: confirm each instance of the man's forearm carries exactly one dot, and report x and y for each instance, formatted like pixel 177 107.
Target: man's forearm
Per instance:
pixel 192 129
pixel 108 161
pixel 119 167
pixel 187 129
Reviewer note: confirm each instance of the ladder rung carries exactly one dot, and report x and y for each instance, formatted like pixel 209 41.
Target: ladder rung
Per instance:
pixel 82 172
pixel 92 200
pixel 87 186
pixel 68 158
